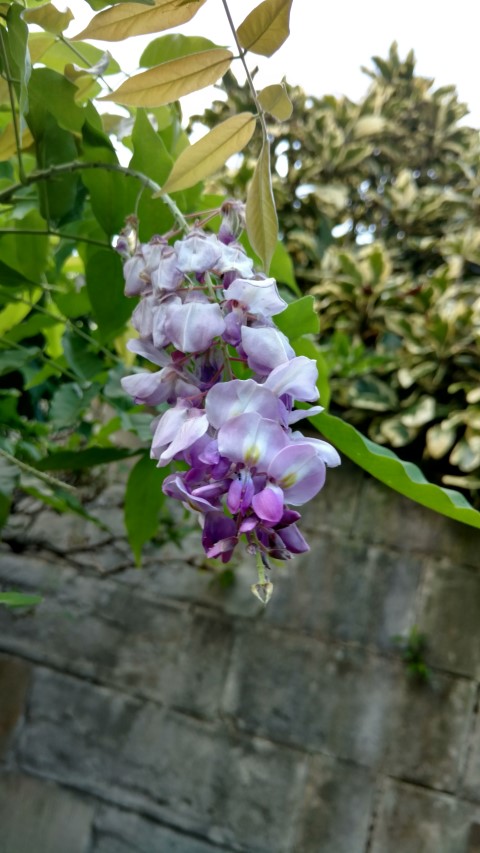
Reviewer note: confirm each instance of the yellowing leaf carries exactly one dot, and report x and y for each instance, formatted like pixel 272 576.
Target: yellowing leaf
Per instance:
pixel 261 216
pixel 49 18
pixel 171 80
pixel 8 145
pixel 132 19
pixel 274 100
pixel 266 27
pixel 368 125
pixel 211 152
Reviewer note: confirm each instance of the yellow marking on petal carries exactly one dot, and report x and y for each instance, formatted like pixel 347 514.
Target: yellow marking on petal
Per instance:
pixel 289 480
pixel 252 455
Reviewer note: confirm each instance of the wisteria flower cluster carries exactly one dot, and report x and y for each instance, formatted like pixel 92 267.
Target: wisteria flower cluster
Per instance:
pixel 205 318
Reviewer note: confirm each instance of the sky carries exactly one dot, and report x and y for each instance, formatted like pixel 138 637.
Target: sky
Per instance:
pixel 328 45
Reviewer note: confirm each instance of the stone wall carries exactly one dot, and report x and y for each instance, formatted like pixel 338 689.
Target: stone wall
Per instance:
pixel 153 711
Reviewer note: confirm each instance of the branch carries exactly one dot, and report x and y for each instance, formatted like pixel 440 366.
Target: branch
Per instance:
pixel 75 238
pixel 241 54
pixel 76 166
pixel 52 481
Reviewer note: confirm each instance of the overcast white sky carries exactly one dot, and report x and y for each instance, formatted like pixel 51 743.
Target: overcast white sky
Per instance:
pixel 330 41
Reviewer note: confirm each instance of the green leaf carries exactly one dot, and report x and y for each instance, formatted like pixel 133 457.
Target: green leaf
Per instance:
pixel 143 501
pixel 204 157
pixel 299 318
pixel 77 460
pixel 274 100
pixel 105 284
pixel 57 54
pixel 171 80
pixel 306 347
pixel 173 46
pixel 109 191
pixel 261 215
pixel 50 92
pixel 19 599
pixel 151 157
pixel 27 253
pixel 403 477
pixel 131 19
pixel 266 28
pixel 281 268
pixel 49 18
pixel 85 363
pixel 15 39
pixel 69 402
pixel 17 310
pixel 14 359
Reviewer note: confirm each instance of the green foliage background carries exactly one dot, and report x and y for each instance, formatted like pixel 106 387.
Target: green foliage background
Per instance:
pixel 379 205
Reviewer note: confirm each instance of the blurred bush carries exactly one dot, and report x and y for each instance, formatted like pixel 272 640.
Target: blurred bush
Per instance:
pixel 379 205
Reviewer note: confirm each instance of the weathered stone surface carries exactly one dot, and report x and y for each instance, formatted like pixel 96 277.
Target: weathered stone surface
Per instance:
pixel 37 816
pixel 193 719
pixel 347 590
pixel 450 617
pixel 176 768
pixel 411 820
pixel 188 583
pixel 350 703
pixel 336 506
pixel 14 682
pixel 65 533
pixel 101 629
pixel 386 517
pixel 125 832
pixel 335 817
pixel 470 786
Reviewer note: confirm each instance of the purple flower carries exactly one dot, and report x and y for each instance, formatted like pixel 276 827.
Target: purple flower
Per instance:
pixel 198 252
pixel 265 348
pixel 251 440
pixel 298 471
pixel 177 430
pixel 219 536
pixel 226 400
pixel 203 314
pixel 162 386
pixel 191 327
pixel 297 377
pixel 259 298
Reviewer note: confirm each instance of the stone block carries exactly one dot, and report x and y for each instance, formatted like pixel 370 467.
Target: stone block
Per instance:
pixel 386 517
pixel 14 682
pixel 99 628
pixel 227 789
pixel 352 704
pixel 347 590
pixel 470 785
pixel 126 832
pixel 185 581
pixel 336 810
pixel 336 506
pixel 412 819
pixel 450 618
pixel 65 533
pixel 37 816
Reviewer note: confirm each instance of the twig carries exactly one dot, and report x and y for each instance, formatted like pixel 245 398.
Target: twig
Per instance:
pixel 29 469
